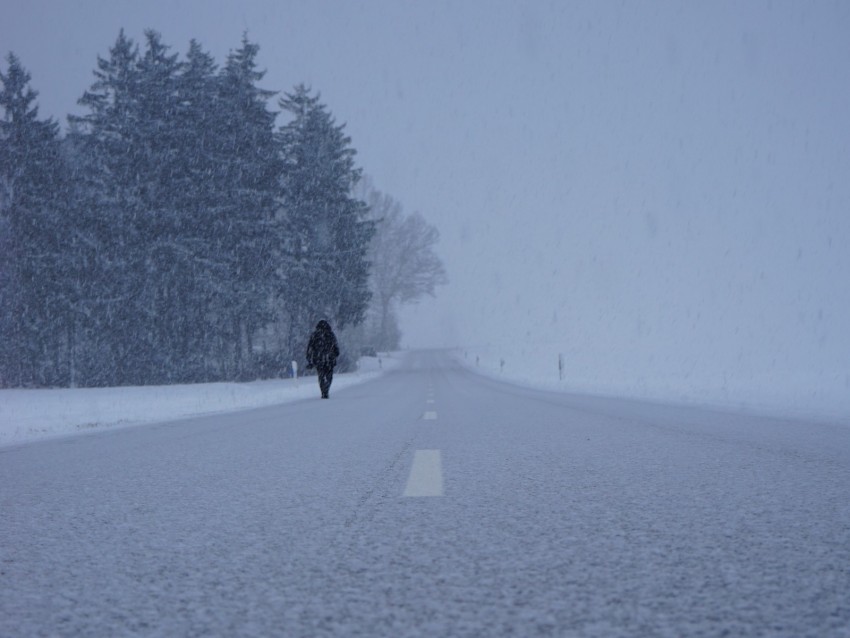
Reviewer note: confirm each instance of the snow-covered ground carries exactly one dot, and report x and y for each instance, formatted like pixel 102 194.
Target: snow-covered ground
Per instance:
pixel 637 375
pixel 27 415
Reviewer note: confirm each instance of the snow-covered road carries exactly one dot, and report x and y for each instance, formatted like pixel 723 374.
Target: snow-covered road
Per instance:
pixel 432 502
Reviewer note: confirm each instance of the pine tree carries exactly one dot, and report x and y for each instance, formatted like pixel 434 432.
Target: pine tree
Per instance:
pixel 327 235
pixel 244 228
pixel 181 178
pixel 128 144
pixel 162 235
pixel 31 187
pixel 200 188
pixel 110 207
pixel 164 269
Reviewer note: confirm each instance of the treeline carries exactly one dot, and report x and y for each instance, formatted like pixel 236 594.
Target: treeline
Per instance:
pixel 174 225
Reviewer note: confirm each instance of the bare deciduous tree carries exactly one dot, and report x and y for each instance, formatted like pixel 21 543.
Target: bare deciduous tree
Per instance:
pixel 404 265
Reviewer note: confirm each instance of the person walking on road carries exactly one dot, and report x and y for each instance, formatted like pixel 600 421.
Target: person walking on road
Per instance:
pixel 322 353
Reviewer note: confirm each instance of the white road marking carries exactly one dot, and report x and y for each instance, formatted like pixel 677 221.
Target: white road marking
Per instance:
pixel 426 474
pixel 429 416
pixel 430 401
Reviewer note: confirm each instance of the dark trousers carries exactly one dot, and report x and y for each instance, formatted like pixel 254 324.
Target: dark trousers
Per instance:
pixel 326 377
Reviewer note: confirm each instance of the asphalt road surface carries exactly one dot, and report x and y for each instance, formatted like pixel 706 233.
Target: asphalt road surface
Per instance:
pixel 432 502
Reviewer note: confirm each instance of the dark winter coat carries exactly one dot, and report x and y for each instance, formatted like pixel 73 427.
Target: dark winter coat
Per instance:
pixel 323 350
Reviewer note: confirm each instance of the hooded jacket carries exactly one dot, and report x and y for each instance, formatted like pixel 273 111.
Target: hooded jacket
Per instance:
pixel 322 350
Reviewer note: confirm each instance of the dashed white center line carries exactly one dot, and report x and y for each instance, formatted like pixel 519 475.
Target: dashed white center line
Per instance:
pixel 429 416
pixel 430 401
pixel 426 474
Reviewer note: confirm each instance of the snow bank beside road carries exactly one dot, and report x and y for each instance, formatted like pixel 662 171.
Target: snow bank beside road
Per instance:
pixel 26 415
pixel 635 375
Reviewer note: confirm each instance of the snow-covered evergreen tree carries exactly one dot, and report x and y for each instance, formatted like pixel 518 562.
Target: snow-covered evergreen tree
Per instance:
pixel 246 228
pixel 31 233
pixel 112 215
pixel 162 260
pixel 182 173
pixel 327 235
pixel 200 185
pixel 173 223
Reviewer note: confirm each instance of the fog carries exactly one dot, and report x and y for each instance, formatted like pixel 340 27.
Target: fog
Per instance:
pixel 658 190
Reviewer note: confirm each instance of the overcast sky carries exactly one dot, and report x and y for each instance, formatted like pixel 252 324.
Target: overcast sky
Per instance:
pixel 616 174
